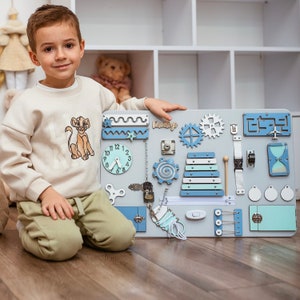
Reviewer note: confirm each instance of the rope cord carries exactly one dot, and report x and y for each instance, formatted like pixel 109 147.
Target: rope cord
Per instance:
pixel 171 224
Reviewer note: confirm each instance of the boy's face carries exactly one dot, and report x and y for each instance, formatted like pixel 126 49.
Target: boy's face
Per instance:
pixel 58 52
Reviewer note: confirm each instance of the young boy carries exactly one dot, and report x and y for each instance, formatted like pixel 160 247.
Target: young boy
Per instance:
pixel 55 182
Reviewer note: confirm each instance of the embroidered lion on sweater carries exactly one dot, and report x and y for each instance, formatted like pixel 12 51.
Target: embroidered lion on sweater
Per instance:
pixel 82 148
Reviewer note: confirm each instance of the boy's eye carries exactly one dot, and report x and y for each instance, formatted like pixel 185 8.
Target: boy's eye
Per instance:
pixel 48 49
pixel 69 45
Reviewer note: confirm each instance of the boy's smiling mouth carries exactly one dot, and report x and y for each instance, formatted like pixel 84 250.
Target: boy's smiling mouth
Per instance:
pixel 61 67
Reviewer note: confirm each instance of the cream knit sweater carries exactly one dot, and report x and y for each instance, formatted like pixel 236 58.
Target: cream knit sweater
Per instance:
pixel 53 136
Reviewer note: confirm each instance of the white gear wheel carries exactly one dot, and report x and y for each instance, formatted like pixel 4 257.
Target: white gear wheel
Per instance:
pixel 212 125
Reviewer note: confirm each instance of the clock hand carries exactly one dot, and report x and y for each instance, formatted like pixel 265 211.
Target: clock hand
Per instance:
pixel 112 165
pixel 117 159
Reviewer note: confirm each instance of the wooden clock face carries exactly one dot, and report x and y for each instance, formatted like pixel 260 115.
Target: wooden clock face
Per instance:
pixel 117 159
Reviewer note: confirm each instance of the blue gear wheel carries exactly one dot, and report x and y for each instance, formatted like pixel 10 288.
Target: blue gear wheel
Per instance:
pixel 191 135
pixel 165 170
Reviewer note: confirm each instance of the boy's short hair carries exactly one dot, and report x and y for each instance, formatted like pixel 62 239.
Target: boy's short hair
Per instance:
pixel 48 15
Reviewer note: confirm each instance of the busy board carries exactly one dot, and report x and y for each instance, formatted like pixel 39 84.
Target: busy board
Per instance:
pixel 206 173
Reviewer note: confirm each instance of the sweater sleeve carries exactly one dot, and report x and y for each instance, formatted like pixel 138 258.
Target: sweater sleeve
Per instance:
pixel 134 104
pixel 16 167
pixel 130 104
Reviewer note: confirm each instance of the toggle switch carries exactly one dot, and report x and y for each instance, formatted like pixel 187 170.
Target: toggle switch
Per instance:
pixel 196 214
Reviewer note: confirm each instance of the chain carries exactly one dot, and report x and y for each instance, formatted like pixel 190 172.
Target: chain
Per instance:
pixel 146 160
pixel 148 204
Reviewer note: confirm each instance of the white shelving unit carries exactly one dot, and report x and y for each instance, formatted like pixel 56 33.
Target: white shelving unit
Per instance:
pixel 207 54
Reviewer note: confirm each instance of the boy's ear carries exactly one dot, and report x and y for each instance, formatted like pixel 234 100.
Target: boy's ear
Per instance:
pixel 82 46
pixel 34 59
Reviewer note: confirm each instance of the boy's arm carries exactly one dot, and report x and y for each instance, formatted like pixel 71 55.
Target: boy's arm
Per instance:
pixel 16 166
pixel 160 108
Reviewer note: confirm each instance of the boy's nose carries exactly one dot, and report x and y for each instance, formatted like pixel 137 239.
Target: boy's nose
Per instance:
pixel 60 54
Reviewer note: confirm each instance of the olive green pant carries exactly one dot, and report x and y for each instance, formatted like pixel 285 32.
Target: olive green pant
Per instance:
pixel 96 222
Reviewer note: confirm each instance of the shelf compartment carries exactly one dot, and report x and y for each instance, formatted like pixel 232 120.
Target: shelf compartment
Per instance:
pixel 249 80
pixel 142 68
pixel 197 79
pixel 136 22
pixel 267 80
pixel 248 23
pixel 282 87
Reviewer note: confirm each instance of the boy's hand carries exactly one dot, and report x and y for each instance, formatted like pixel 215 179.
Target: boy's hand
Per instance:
pixel 55 205
pixel 160 108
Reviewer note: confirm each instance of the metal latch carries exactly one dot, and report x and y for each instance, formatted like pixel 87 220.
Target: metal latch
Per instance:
pixel 238 164
pixel 138 219
pixel 257 218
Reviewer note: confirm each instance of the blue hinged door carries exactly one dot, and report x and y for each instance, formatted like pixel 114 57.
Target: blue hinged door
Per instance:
pixel 272 218
pixel 136 214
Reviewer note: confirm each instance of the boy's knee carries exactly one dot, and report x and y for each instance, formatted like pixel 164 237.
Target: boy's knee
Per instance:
pixel 122 238
pixel 66 246
pixel 118 238
pixel 57 245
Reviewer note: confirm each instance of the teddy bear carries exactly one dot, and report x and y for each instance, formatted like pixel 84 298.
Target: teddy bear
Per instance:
pixel 4 210
pixel 113 73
